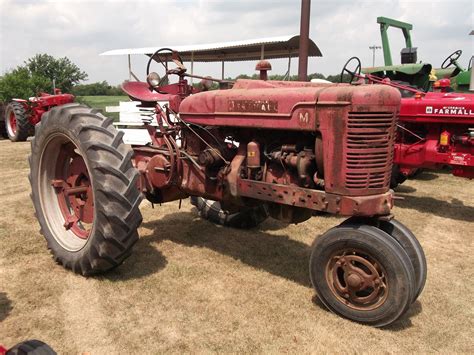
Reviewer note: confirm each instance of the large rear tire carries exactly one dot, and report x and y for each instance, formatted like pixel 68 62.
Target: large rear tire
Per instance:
pixel 363 274
pixel 244 218
pixel 84 189
pixel 17 123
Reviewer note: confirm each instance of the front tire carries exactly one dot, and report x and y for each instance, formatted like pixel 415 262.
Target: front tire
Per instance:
pixel 84 189
pixel 363 274
pixel 17 123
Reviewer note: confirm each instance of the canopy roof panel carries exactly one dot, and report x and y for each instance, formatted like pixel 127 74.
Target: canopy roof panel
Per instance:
pixel 272 47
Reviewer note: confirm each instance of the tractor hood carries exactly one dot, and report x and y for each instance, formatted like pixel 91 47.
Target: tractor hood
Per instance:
pixel 282 104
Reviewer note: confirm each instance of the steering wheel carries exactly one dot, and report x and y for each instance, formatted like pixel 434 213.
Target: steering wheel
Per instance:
pixel 352 73
pixel 451 59
pixel 176 59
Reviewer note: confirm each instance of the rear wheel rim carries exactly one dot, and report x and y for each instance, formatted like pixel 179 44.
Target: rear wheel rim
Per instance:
pixel 12 124
pixel 357 279
pixel 66 192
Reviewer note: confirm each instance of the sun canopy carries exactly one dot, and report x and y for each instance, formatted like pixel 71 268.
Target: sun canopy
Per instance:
pixel 253 49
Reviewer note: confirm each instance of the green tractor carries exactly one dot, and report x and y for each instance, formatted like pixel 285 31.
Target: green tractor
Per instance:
pixel 420 75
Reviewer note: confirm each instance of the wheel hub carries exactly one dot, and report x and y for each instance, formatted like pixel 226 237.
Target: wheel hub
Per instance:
pixel 74 191
pixel 357 280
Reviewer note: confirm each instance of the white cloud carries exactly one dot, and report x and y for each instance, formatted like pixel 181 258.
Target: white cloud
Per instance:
pixel 82 29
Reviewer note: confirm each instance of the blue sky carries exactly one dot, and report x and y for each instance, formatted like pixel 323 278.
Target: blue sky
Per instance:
pixel 82 29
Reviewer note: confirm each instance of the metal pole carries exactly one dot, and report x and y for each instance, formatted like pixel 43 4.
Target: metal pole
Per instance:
pixel 222 70
pixel 129 69
pixel 304 40
pixel 374 48
pixel 289 67
pixel 192 66
pixel 471 84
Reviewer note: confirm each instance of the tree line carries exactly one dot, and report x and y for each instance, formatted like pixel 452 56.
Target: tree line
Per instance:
pixel 43 72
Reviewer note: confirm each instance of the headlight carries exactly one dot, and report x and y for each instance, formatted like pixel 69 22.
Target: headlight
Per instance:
pixel 153 79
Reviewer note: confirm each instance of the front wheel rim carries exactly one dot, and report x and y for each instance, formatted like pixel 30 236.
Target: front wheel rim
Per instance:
pixel 66 192
pixel 12 124
pixel 357 279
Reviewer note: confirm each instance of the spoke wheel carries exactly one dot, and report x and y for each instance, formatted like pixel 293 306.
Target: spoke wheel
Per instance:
pixel 65 183
pixel 363 274
pixel 354 72
pixel 84 189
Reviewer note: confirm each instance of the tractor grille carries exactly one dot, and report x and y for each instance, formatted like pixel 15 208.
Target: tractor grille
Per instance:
pixel 369 150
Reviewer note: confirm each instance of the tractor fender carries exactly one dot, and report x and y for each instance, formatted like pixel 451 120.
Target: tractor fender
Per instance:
pixel 141 91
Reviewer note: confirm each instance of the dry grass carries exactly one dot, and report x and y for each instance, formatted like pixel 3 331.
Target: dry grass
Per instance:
pixel 191 286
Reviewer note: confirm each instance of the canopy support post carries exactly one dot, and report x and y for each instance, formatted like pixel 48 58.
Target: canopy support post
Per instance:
pixel 222 70
pixel 192 66
pixel 130 72
pixel 289 68
pixel 262 52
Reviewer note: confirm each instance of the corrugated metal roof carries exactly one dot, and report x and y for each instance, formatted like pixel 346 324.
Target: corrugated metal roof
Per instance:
pixel 274 47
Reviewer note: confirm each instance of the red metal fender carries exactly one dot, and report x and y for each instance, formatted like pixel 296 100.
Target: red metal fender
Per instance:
pixel 141 91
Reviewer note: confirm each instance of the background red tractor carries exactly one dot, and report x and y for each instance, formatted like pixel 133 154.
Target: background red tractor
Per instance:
pixel 292 149
pixel 22 115
pixel 435 129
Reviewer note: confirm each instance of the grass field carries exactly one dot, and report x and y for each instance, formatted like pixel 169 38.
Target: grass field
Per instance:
pixel 190 286
pixel 100 102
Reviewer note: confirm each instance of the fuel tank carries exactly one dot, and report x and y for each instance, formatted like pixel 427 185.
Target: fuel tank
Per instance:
pixel 282 104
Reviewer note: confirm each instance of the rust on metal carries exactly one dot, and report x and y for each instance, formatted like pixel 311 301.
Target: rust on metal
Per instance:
pixel 318 200
pixel 254 106
pixel 357 279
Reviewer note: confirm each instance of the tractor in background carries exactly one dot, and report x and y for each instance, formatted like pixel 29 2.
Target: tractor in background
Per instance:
pixel 435 129
pixel 20 116
pixel 420 75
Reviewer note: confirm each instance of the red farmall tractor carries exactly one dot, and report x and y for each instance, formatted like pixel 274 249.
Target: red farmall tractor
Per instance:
pixel 435 129
pixel 292 150
pixel 22 115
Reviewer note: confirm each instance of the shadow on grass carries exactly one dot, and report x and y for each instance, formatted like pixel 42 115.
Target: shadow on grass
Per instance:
pixel 404 321
pixel 145 260
pixel 454 209
pixel 5 306
pixel 428 176
pixel 276 254
pixel 401 323
pixel 404 189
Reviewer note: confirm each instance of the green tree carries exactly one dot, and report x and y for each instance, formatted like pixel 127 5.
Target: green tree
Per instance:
pixel 21 83
pixel 96 89
pixel 62 70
